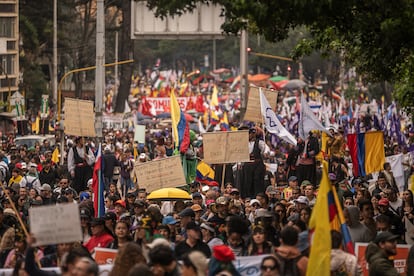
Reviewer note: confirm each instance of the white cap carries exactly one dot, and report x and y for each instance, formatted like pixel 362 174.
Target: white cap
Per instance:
pixel 253 201
pixel 158 241
pixel 205 188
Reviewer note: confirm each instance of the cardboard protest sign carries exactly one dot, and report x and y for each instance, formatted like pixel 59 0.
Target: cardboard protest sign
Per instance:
pixel 79 117
pixel 105 256
pixel 226 147
pixel 253 112
pixel 163 173
pixel 139 133
pixel 55 224
pixel 399 259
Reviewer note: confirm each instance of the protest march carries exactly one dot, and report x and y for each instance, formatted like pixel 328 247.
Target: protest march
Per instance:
pixel 302 183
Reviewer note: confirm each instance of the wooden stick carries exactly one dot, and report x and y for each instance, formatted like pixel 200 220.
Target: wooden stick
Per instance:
pixel 223 176
pixel 15 210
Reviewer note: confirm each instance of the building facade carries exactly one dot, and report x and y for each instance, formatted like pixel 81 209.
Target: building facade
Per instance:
pixel 9 48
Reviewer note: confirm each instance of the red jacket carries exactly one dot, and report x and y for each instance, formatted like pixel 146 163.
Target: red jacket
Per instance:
pixel 102 240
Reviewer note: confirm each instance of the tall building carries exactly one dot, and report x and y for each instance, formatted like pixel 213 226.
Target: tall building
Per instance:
pixel 9 48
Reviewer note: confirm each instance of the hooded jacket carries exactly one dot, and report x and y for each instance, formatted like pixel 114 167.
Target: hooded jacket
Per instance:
pixel 358 231
pixel 379 264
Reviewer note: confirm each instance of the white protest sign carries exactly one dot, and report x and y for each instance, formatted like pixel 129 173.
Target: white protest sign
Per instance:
pixel 79 117
pixel 55 224
pixel 157 174
pixel 253 112
pixel 139 134
pixel 226 147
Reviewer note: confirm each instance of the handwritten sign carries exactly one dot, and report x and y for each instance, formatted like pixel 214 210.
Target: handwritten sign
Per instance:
pixel 139 134
pixel 163 173
pixel 226 147
pixel 79 117
pixel 55 224
pixel 399 259
pixel 105 256
pixel 253 112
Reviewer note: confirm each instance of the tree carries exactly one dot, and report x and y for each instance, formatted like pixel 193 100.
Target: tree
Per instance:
pixel 375 36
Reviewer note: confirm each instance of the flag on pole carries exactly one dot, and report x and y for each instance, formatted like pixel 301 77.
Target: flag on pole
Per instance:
pixel 181 130
pixel 98 185
pixel 326 216
pixel 214 98
pixel 308 120
pixel 55 156
pixel 272 123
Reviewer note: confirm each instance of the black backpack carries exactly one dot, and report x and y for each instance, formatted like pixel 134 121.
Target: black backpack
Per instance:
pixel 289 267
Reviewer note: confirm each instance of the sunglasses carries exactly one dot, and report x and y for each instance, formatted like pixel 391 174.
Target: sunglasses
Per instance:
pixel 266 268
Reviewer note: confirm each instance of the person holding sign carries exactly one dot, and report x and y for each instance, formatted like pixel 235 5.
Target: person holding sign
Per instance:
pixel 254 171
pixel 80 162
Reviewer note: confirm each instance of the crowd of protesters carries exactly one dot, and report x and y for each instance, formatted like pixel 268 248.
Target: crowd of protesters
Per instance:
pixel 255 210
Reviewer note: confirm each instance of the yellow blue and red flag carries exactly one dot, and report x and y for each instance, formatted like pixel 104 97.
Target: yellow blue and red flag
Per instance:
pixel 180 127
pixel 98 185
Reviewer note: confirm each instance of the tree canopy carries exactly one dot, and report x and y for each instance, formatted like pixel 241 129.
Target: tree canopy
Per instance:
pixel 377 36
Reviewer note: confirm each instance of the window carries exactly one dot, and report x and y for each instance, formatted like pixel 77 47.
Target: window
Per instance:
pixel 7 25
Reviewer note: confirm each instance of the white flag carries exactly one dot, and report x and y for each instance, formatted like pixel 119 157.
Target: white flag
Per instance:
pixel 272 123
pixel 308 120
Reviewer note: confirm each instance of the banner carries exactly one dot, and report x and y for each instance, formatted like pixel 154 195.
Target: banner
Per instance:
pixel 79 117
pixel 399 259
pixel 246 266
pixel 163 173
pixel 397 169
pixel 253 113
pixel 162 104
pixel 226 147
pixel 105 256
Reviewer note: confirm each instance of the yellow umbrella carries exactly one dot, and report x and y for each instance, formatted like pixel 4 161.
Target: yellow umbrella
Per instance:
pixel 167 194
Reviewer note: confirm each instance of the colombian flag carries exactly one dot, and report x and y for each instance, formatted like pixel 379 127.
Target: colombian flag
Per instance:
pixel 98 185
pixel 181 130
pixel 367 152
pixel 204 173
pixel 224 123
pixel 326 216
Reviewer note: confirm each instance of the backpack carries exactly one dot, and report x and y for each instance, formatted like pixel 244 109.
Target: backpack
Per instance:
pixel 289 267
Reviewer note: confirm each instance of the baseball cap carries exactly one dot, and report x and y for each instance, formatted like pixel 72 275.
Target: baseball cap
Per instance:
pixel 139 202
pixel 305 183
pixel 383 202
pixel 84 213
pixel 271 190
pixel 169 220
pixel 385 236
pixel 142 156
pixel 120 202
pixel 302 199
pixel 234 191
pixel 97 221
pixel 110 216
pixel 197 194
pixel 187 212
pixel 196 208
pixel 221 200
pixel 192 226
pixel 292 178
pixel 45 187
pixel 207 227
pixel 253 201
pixel 83 196
pixel 205 188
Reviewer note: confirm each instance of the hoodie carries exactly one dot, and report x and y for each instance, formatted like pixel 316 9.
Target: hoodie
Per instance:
pixel 358 231
pixel 379 264
pixel 291 252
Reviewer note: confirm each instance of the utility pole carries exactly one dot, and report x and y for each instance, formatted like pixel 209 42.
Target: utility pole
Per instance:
pixel 244 87
pixel 54 69
pixel 100 62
